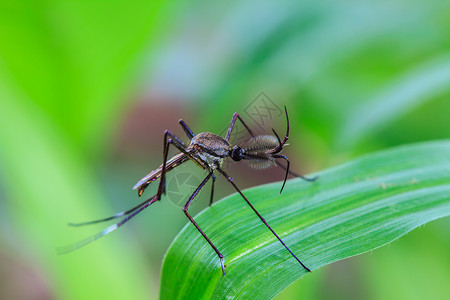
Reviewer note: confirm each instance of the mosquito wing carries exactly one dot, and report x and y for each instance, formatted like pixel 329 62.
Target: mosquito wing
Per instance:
pixel 155 174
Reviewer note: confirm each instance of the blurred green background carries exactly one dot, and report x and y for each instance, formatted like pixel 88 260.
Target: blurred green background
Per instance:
pixel 88 87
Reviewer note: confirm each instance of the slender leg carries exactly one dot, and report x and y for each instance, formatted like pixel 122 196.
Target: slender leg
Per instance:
pixel 173 140
pixel 186 129
pixel 233 121
pixel 280 146
pixel 288 171
pixel 118 215
pixel 212 190
pixel 277 136
pixel 185 210
pixel 260 217
pixel 296 174
pixel 70 248
pixel 144 182
pixel 287 168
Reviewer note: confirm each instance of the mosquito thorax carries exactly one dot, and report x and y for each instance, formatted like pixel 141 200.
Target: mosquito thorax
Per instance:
pixel 210 148
pixel 211 143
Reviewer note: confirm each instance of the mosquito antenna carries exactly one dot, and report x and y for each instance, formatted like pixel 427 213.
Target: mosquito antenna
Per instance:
pixel 287 169
pixel 109 229
pixel 118 215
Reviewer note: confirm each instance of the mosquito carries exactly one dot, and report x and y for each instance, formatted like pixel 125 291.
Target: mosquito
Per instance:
pixel 208 151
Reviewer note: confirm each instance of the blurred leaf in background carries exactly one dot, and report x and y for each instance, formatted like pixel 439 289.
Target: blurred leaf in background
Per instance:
pixel 64 69
pixel 86 90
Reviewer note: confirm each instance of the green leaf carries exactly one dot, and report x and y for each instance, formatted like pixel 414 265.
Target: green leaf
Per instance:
pixel 351 209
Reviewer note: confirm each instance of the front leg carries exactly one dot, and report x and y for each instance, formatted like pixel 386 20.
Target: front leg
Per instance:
pixel 212 190
pixel 233 121
pixel 174 141
pixel 230 180
pixel 185 210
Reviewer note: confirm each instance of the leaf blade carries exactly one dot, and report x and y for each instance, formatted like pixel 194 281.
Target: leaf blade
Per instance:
pixel 352 208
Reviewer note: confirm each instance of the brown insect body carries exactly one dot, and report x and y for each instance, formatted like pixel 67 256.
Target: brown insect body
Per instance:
pixel 207 148
pixel 208 151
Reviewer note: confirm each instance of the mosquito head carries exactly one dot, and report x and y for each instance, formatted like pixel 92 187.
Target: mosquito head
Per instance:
pixel 236 153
